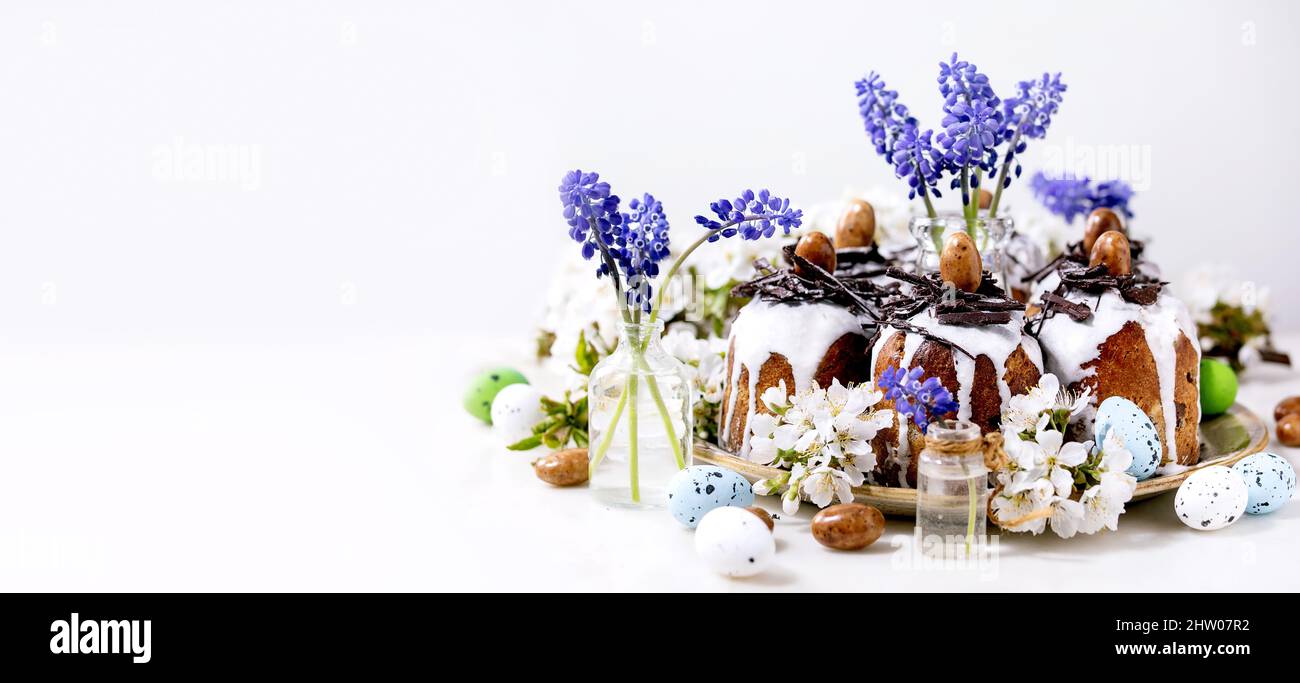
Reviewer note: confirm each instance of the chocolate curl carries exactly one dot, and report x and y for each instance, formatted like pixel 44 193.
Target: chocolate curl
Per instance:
pixel 1076 256
pixel 858 294
pixel 1272 355
pixel 1079 311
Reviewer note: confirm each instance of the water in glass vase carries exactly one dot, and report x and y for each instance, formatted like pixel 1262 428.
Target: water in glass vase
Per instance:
pixel 952 490
pixel 639 419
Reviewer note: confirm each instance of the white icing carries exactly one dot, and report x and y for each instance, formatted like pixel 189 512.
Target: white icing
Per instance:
pixel 1069 345
pixel 802 332
pixel 997 342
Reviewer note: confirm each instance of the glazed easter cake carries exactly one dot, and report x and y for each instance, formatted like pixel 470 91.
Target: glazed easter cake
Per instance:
pixel 1115 332
pixel 959 327
pixel 809 324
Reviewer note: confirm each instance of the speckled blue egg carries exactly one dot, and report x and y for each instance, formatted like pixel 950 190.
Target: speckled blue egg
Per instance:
pixel 1270 481
pixel 1135 429
pixel 694 491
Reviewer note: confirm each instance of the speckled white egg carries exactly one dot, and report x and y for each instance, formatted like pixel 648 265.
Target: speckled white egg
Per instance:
pixel 515 410
pixel 734 542
pixel 1270 481
pixel 1211 498
pixel 694 491
pixel 1135 429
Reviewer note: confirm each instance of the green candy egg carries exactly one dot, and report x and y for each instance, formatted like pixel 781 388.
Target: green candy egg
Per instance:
pixel 1218 387
pixel 484 388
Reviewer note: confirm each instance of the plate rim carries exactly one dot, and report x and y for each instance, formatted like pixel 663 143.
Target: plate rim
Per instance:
pixel 900 501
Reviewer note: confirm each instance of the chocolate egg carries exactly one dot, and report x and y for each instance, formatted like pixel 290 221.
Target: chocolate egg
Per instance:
pixel 1112 251
pixel 1100 222
pixel 1287 406
pixel 959 263
pixel 857 225
pixel 562 468
pixel 848 526
pixel 1288 430
pixel 817 249
pixel 763 515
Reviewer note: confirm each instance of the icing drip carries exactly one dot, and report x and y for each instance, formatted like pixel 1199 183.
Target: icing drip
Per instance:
pixel 802 332
pixel 1070 345
pixel 997 342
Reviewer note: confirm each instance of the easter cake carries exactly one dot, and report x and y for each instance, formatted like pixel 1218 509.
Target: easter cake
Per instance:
pixel 960 327
pixel 1116 332
pixel 806 324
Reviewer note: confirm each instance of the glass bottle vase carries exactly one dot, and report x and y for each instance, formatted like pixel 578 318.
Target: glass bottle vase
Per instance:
pixel 990 236
pixel 639 420
pixel 952 489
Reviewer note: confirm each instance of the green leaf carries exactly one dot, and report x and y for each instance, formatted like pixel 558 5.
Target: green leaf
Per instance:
pixel 526 444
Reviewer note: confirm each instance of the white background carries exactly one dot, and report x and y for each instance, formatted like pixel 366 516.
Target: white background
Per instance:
pixel 252 382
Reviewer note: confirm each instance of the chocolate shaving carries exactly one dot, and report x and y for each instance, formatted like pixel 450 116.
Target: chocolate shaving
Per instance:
pixel 988 305
pixel 1136 288
pixel 1079 311
pixel 858 294
pixel 1074 254
pixel 1272 355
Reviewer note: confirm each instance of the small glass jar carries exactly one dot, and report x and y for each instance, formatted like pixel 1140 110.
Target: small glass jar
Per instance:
pixel 952 489
pixel 990 236
pixel 639 420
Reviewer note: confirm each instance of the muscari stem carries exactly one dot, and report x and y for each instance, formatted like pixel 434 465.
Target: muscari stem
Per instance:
pixel 632 438
pixel 608 436
pixel 1002 173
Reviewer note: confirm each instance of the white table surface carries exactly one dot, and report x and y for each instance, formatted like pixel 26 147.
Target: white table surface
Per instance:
pixel 350 466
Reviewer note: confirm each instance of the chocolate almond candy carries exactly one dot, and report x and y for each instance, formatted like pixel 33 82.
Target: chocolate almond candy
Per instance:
pixel 1100 222
pixel 857 226
pixel 566 467
pixel 848 526
pixel 1287 406
pixel 818 250
pixel 1112 251
pixel 986 198
pixel 763 515
pixel 959 262
pixel 1288 430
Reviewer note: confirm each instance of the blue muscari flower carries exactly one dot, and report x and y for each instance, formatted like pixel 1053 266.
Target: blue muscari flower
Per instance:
pixel 883 117
pixel 587 201
pixel 635 241
pixel 1113 194
pixel 1069 196
pixel 751 215
pixel 916 396
pixel 1031 109
pixel 1028 114
pixel 918 161
pixel 972 122
pixel 644 243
